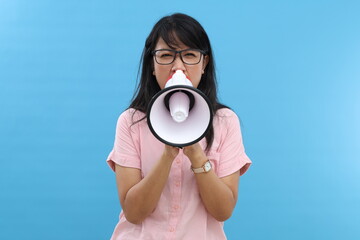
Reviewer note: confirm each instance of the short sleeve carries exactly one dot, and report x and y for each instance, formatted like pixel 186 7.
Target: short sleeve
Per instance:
pixel 232 152
pixel 126 148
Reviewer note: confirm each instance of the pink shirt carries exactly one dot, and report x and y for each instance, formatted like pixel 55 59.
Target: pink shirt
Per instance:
pixel 180 213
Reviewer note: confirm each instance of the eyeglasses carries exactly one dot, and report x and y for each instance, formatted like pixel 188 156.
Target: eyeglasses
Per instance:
pixel 187 56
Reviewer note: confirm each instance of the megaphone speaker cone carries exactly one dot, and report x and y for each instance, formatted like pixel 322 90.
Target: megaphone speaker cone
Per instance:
pixel 186 131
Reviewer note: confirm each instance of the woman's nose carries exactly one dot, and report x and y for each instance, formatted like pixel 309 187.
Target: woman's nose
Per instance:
pixel 178 64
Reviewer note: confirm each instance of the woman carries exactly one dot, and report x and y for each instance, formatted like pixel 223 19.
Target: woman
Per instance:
pixel 161 198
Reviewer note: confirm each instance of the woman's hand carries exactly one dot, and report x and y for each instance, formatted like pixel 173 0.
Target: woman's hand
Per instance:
pixel 196 155
pixel 140 196
pixel 170 152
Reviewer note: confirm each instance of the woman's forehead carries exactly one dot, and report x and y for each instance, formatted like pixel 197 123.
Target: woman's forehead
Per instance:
pixel 176 44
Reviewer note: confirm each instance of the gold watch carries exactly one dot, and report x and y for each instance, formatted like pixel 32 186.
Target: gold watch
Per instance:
pixel 204 169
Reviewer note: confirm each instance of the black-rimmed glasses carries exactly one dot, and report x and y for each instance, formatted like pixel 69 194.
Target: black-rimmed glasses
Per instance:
pixel 187 56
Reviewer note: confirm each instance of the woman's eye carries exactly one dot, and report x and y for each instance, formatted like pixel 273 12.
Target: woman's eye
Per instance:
pixel 166 54
pixel 190 54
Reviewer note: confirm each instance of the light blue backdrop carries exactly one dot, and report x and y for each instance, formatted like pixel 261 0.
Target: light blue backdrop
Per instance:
pixel 290 70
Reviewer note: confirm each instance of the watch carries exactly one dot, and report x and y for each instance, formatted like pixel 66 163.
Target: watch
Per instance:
pixel 204 169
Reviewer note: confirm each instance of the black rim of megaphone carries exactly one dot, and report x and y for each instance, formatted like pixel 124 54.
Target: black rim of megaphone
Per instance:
pixel 167 90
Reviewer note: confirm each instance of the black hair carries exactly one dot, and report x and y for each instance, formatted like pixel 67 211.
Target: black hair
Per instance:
pixel 187 30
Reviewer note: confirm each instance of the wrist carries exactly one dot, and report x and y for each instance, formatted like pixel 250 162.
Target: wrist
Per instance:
pixel 170 153
pixel 167 157
pixel 205 168
pixel 198 162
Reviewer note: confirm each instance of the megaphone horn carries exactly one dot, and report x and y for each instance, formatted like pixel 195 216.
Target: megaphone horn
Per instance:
pixel 179 115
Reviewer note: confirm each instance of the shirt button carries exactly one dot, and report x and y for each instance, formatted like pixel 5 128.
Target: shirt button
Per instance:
pixel 176 207
pixel 172 229
pixel 177 184
pixel 178 161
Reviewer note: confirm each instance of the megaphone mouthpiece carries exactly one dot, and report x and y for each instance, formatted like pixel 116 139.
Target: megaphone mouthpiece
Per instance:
pixel 178 78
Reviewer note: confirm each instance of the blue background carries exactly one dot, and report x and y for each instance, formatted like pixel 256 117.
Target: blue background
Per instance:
pixel 289 69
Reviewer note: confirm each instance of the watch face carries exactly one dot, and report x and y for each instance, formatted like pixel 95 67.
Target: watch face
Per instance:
pixel 207 166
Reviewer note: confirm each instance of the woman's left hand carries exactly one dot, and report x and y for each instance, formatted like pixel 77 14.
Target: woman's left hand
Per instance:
pixel 196 155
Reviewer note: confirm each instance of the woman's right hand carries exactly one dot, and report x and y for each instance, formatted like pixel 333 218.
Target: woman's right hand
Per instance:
pixel 170 152
pixel 139 195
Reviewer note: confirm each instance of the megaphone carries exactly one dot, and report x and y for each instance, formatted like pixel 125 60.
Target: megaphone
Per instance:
pixel 179 115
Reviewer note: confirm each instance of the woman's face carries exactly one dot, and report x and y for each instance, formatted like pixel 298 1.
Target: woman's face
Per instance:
pixel 164 72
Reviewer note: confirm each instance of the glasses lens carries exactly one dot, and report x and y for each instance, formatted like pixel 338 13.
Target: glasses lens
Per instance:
pixel 164 56
pixel 191 56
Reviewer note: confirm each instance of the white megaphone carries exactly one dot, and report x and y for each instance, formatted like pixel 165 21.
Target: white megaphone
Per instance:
pixel 179 115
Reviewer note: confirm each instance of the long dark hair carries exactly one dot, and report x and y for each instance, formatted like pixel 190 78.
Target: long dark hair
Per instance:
pixel 189 32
